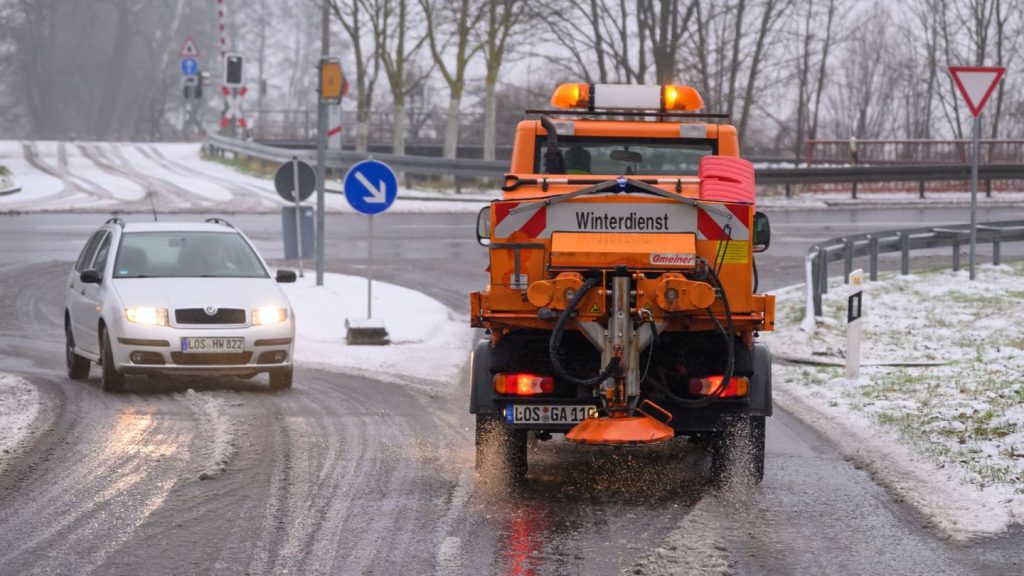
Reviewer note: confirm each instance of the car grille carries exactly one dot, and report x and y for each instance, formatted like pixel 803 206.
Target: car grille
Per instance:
pixel 199 316
pixel 212 359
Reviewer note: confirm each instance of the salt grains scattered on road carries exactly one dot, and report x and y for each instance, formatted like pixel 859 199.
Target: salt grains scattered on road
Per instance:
pixel 19 406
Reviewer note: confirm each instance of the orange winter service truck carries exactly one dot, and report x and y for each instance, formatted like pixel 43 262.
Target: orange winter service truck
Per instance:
pixel 622 307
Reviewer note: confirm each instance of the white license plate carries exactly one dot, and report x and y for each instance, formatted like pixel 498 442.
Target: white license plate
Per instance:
pixel 549 413
pixel 212 344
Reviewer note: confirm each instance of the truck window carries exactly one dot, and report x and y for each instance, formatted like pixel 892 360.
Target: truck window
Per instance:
pixel 614 156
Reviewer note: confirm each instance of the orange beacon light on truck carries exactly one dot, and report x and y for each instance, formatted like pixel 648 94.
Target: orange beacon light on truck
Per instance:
pixel 664 98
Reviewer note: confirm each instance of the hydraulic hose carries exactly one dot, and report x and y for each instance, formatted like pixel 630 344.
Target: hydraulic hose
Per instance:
pixel 730 365
pixel 556 340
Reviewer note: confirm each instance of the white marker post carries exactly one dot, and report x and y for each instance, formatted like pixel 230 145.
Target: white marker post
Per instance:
pixel 976 84
pixel 854 308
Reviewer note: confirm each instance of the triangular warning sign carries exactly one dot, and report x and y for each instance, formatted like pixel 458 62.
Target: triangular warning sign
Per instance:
pixel 976 84
pixel 595 309
pixel 189 49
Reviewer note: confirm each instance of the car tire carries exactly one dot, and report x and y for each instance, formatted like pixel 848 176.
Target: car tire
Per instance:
pixel 113 381
pixel 738 451
pixel 500 449
pixel 281 379
pixel 77 366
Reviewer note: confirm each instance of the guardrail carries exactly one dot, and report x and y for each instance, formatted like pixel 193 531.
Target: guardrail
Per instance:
pixel 461 167
pixel 871 244
pixel 342 159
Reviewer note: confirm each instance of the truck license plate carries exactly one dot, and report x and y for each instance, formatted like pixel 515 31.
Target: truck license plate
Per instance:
pixel 212 344
pixel 549 414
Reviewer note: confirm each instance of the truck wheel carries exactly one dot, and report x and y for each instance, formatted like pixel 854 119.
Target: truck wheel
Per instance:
pixel 77 366
pixel 738 451
pixel 500 449
pixel 113 381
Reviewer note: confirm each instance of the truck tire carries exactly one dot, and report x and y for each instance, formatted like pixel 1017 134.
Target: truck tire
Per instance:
pixel 113 381
pixel 500 449
pixel 738 451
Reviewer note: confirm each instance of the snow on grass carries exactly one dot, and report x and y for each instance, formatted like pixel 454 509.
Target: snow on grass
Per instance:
pixel 949 437
pixel 216 427
pixel 118 186
pixel 429 343
pixel 35 184
pixel 19 406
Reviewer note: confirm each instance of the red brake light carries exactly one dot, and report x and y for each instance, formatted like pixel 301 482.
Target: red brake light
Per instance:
pixel 523 384
pixel 736 388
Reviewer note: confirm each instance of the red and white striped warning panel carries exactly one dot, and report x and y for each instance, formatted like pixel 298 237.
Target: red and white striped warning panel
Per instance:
pixel 713 222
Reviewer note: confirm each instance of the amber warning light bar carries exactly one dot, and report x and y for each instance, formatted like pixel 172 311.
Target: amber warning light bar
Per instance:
pixel 668 97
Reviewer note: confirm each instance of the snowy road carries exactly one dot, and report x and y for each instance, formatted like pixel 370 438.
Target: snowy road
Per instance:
pixel 351 475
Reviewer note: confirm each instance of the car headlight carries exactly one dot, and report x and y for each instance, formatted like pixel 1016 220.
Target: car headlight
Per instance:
pixel 269 315
pixel 146 315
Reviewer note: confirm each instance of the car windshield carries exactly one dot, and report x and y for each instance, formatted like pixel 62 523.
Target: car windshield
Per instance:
pixel 614 156
pixel 185 255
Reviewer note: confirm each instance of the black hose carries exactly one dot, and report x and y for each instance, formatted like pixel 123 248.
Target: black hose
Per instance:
pixel 556 340
pixel 554 162
pixel 727 333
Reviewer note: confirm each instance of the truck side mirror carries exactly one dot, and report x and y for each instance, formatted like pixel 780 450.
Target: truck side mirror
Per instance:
pixel 762 232
pixel 483 226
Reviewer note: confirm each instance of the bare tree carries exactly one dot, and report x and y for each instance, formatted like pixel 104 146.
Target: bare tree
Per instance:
pixel 504 20
pixel 355 20
pixel 391 21
pixel 449 29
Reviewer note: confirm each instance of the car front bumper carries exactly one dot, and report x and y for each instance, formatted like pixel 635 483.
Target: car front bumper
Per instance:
pixel 158 349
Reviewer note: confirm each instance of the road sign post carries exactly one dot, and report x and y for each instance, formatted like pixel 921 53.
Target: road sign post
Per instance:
pixel 294 182
pixel 370 188
pixel 976 84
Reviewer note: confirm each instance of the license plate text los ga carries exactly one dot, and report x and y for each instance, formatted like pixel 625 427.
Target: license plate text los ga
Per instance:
pixel 549 414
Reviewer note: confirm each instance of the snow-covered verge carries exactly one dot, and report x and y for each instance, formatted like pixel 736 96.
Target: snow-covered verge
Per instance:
pixel 19 406
pixel 947 436
pixel 429 344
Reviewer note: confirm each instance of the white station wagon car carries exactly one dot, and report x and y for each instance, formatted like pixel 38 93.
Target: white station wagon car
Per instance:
pixel 176 298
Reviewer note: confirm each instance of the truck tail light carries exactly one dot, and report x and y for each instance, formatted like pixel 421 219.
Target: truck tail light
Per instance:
pixel 736 388
pixel 523 384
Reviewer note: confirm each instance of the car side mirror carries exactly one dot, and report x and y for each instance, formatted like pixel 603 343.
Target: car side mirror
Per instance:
pixel 285 276
pixel 762 232
pixel 483 226
pixel 91 276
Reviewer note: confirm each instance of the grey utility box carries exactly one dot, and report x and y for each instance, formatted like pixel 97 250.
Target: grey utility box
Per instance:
pixel 288 226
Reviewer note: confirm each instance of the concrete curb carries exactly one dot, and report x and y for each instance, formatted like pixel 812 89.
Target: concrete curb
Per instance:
pixel 12 190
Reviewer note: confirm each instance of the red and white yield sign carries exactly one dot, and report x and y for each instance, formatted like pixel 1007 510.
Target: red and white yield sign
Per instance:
pixel 976 84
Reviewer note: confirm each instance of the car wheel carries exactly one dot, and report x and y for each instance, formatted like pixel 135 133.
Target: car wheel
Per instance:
pixel 281 379
pixel 113 381
pixel 500 449
pixel 77 367
pixel 737 453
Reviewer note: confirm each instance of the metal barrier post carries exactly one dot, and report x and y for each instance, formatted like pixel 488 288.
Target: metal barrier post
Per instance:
pixel 873 250
pixel 812 300
pixel 920 189
pixel 956 255
pixel 823 271
pixel 847 261
pixel 996 245
pixel 904 253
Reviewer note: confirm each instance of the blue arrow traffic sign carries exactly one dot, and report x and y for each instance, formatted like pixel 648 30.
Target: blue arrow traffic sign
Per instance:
pixel 370 187
pixel 189 66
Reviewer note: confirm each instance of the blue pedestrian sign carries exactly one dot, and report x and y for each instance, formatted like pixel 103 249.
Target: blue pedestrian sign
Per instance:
pixel 189 67
pixel 370 187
